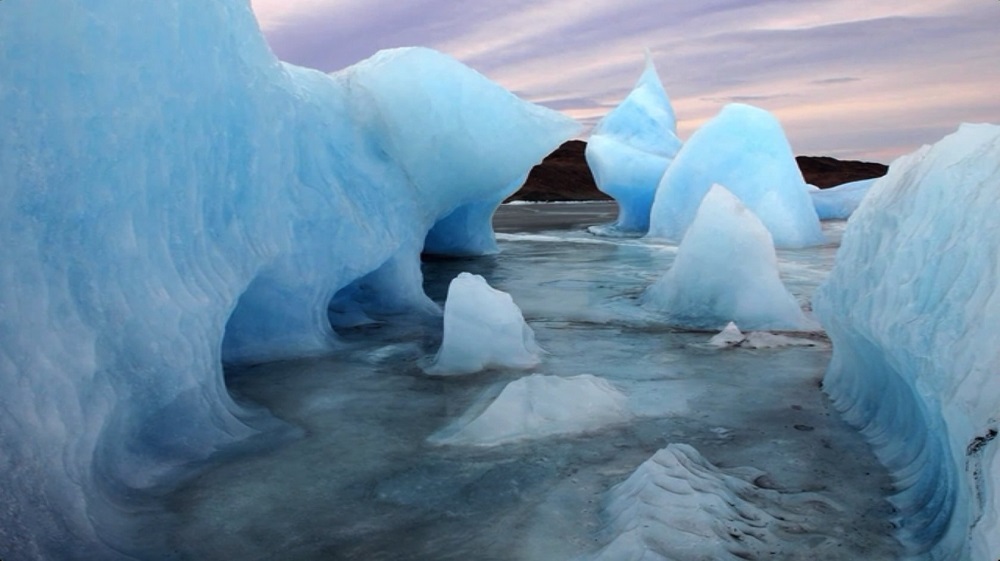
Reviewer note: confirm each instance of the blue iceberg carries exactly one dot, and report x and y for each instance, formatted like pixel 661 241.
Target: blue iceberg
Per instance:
pixel 171 197
pixel 745 149
pixel 911 307
pixel 631 147
pixel 838 203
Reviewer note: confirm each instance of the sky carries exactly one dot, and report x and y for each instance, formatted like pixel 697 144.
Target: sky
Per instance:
pixel 852 79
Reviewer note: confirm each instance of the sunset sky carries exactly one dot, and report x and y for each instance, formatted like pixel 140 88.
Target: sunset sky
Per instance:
pixel 847 78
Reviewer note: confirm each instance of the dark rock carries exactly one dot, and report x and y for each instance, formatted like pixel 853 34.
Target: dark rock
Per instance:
pixel 564 175
pixel 823 171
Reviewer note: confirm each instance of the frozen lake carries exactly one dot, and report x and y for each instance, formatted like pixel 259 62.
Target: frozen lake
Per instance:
pixel 358 480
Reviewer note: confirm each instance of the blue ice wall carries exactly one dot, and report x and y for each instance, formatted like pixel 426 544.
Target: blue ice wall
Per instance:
pixel 171 196
pixel 911 307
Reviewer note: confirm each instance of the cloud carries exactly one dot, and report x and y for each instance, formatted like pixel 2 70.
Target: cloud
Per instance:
pixel 845 78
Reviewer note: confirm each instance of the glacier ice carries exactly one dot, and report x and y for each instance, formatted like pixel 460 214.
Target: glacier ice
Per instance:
pixel 631 147
pixel 725 271
pixel 483 328
pixel 678 505
pixel 537 406
pixel 745 149
pixel 838 203
pixel 911 307
pixel 172 196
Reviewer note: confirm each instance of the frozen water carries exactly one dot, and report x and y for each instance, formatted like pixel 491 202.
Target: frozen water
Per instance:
pixel 678 505
pixel 841 201
pixel 726 270
pixel 174 196
pixel 631 147
pixel 363 483
pixel 912 308
pixel 483 328
pixel 730 336
pixel 537 406
pixel 745 149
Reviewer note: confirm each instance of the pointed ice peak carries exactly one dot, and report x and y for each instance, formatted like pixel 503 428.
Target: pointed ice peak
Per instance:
pixel 645 116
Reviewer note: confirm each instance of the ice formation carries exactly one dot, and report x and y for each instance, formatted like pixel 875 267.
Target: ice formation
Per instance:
pixel 838 203
pixel 745 149
pixel 631 147
pixel 677 505
pixel 483 328
pixel 538 406
pixel 725 270
pixel 911 307
pixel 731 336
pixel 171 195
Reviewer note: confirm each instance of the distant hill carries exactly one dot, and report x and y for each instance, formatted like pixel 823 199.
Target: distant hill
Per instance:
pixel 823 171
pixel 564 175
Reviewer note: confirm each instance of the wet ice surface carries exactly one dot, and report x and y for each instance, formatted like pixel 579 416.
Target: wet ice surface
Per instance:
pixel 361 482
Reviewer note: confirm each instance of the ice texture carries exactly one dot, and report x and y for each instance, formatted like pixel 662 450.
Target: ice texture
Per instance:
pixel 483 328
pixel 538 406
pixel 677 505
pixel 745 149
pixel 911 307
pixel 725 271
pixel 838 203
pixel 631 147
pixel 171 195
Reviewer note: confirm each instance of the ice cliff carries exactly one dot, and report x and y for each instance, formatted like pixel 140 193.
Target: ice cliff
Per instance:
pixel 172 196
pixel 632 146
pixel 911 307
pixel 745 149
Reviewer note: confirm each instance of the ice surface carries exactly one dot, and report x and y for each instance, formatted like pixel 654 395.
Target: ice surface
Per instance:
pixel 677 505
pixel 911 308
pixel 838 203
pixel 631 147
pixel 171 195
pixel 726 271
pixel 483 328
pixel 745 149
pixel 537 406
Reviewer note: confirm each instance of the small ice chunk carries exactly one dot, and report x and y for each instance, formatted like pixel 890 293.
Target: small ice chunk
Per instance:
pixel 483 328
pixel 538 406
pixel 730 336
pixel 726 270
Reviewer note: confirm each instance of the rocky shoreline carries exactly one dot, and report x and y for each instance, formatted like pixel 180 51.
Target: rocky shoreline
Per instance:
pixel 564 175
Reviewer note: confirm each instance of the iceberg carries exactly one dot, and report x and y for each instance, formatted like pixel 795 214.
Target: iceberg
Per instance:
pixel 631 147
pixel 838 203
pixel 911 308
pixel 538 406
pixel 745 149
pixel 725 271
pixel 173 196
pixel 678 505
pixel 483 328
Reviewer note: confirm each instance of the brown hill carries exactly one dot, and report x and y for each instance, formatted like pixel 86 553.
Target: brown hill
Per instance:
pixel 823 171
pixel 564 175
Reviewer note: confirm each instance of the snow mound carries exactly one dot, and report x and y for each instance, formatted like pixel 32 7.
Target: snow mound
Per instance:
pixel 677 505
pixel 745 149
pixel 483 328
pixel 838 203
pixel 725 270
pixel 538 406
pixel 911 307
pixel 174 196
pixel 631 147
